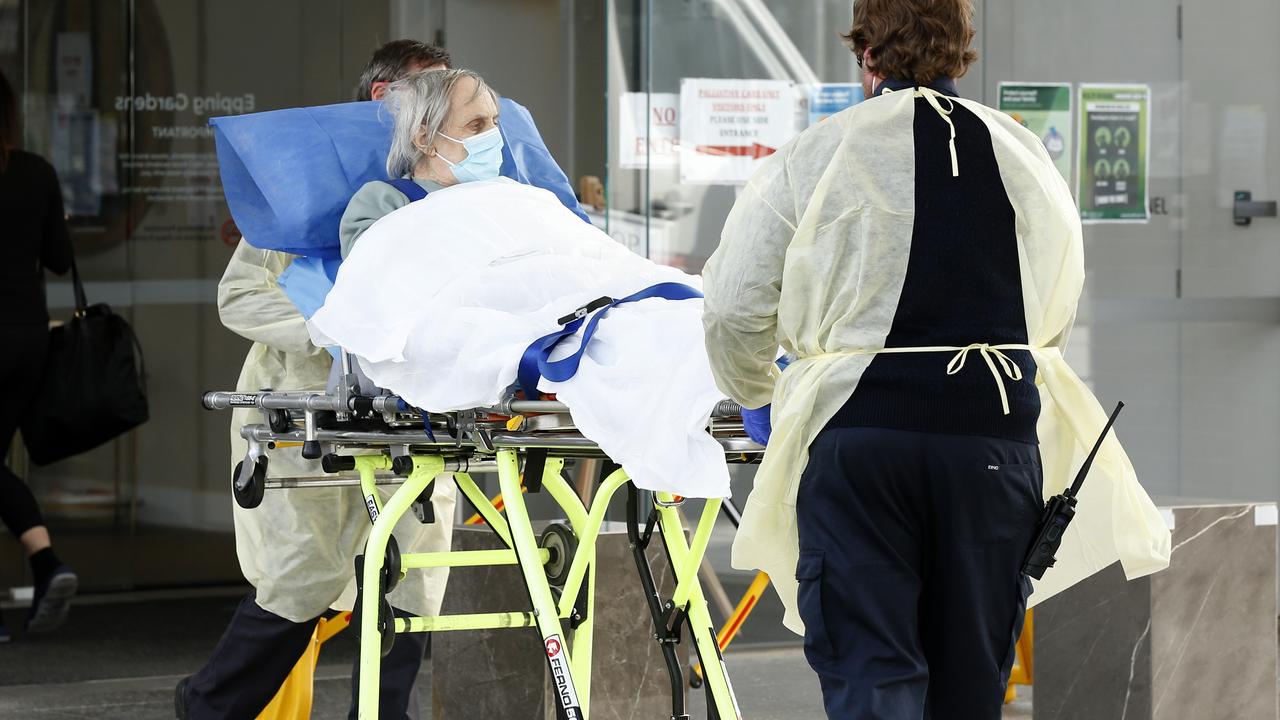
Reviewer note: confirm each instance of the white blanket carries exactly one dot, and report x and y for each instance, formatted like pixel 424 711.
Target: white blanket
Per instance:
pixel 439 300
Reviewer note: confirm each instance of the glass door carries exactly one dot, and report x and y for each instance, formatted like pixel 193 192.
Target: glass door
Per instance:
pixel 1181 310
pixel 117 95
pixel 1162 116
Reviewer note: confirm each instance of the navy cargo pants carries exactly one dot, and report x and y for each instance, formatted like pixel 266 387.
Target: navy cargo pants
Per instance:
pixel 911 589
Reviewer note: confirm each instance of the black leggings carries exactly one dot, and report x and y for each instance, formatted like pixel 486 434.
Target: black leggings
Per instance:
pixel 20 370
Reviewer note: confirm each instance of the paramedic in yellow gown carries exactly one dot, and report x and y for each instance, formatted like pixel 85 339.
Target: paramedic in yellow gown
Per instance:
pixel 920 258
pixel 296 548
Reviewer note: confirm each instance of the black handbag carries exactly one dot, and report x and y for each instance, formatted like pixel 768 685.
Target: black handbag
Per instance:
pixel 94 384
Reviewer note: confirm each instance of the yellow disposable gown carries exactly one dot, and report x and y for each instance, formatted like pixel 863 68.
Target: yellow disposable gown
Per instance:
pixel 298 547
pixel 813 259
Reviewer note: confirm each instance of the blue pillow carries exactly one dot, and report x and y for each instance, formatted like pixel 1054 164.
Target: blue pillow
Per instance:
pixel 289 174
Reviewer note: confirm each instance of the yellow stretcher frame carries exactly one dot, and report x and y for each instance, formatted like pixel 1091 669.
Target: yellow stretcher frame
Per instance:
pixel 568 650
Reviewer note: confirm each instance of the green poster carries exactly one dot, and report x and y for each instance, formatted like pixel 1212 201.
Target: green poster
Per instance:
pixel 1044 109
pixel 1114 131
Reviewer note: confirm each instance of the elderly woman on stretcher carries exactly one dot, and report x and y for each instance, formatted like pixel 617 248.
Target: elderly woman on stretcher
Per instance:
pixel 464 286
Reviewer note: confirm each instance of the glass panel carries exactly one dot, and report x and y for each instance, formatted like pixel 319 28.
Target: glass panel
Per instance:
pixel 669 193
pixel 1178 303
pixel 674 215
pixel 1181 311
pixel 117 95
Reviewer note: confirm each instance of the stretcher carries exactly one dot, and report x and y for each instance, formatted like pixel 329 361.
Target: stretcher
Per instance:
pixel 365 441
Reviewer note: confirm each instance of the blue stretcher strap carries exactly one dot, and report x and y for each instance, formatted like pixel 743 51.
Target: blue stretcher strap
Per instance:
pixel 426 424
pixel 536 362
pixel 408 188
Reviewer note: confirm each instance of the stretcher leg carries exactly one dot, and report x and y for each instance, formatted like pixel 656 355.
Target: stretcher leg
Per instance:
pixel 666 619
pixel 581 615
pixel 558 654
pixel 721 701
pixel 372 581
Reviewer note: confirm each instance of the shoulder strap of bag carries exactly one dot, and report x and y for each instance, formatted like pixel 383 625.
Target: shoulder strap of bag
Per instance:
pixel 82 301
pixel 408 188
pixel 141 358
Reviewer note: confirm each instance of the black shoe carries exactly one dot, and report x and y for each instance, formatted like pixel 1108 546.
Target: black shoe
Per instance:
pixel 4 633
pixel 180 698
pixel 52 600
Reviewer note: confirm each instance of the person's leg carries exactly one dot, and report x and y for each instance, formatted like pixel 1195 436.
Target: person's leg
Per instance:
pixel 19 510
pixel 398 690
pixel 35 540
pixel 256 653
pixel 985 494
pixel 55 583
pixel 860 573
pixel 21 514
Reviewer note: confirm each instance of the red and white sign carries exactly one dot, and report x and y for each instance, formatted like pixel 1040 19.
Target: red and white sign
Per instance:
pixel 728 127
pixel 553 647
pixel 649 130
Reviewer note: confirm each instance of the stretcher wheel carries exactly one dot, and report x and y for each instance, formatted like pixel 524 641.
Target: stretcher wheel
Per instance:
pixel 560 540
pixel 391 564
pixel 387 626
pixel 251 495
pixel 279 421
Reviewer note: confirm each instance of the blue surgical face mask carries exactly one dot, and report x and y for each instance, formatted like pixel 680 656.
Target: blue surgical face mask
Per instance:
pixel 484 157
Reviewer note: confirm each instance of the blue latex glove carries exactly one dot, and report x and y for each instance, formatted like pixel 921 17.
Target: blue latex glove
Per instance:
pixel 756 423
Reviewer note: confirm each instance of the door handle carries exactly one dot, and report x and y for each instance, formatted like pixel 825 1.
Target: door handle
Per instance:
pixel 1246 208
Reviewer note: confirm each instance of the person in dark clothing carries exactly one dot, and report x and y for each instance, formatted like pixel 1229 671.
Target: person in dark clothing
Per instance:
pixel 36 240
pixel 920 260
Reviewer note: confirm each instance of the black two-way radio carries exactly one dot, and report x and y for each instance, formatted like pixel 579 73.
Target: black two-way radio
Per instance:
pixel 1058 513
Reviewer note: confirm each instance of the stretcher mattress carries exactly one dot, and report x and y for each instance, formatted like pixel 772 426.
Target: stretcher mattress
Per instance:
pixel 439 300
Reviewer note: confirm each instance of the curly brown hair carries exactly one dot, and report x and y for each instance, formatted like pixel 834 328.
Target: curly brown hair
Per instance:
pixel 914 40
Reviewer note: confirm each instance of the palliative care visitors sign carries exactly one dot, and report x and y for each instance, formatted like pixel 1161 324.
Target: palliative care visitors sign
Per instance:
pixel 727 127
pixel 1114 156
pixel 1044 109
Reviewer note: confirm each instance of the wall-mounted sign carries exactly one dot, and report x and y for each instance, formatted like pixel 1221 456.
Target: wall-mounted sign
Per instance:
pixel 727 127
pixel 649 130
pixel 827 99
pixel 1044 109
pixel 1115 125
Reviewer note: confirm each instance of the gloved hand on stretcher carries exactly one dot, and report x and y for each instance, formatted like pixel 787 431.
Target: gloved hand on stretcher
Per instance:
pixel 756 422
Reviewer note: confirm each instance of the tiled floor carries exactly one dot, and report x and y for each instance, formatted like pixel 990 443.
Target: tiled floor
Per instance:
pixel 118 661
pixel 778 685
pixel 771 685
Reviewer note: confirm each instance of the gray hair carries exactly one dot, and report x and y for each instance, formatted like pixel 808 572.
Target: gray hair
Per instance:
pixel 420 104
